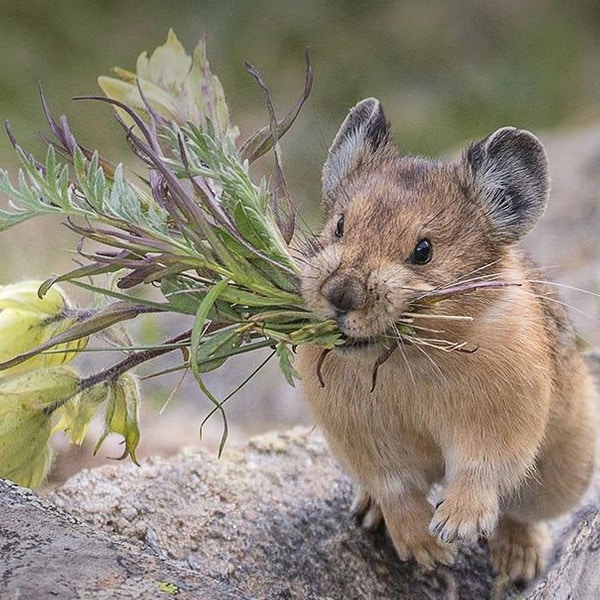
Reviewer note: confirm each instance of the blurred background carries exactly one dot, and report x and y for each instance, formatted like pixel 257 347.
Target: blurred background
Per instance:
pixel 446 73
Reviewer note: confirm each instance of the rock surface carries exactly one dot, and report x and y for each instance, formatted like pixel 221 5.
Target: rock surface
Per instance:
pixel 47 553
pixel 577 572
pixel 268 521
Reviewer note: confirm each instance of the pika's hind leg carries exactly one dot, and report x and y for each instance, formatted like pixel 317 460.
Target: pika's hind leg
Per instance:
pixel 519 549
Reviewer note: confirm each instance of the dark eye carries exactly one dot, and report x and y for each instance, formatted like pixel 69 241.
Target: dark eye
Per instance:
pixel 339 228
pixel 421 255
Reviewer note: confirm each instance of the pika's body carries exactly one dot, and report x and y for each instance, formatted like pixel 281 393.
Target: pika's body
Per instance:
pixel 483 391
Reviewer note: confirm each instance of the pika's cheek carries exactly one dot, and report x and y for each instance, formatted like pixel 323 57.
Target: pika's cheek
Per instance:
pixel 400 288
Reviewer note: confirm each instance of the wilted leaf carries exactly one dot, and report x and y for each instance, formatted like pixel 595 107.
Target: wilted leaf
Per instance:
pixel 121 417
pixel 74 416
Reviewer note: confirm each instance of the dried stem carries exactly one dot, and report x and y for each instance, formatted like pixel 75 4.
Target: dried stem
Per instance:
pixel 133 360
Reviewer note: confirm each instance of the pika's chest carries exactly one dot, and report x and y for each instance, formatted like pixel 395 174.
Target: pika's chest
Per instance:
pixel 356 399
pixel 375 430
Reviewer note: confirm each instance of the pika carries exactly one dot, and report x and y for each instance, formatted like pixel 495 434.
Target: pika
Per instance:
pixel 459 365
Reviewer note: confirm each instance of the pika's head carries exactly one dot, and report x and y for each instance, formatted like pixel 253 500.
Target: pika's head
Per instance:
pixel 400 226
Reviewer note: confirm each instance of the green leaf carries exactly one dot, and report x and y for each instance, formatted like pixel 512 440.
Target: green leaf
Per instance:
pixel 286 360
pixel 200 322
pixel 214 350
pixel 187 294
pixel 197 333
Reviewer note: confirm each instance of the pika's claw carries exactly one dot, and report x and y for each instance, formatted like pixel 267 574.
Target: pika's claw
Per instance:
pixel 407 525
pixel 411 542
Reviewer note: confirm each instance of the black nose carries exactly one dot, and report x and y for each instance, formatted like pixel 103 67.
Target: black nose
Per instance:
pixel 344 293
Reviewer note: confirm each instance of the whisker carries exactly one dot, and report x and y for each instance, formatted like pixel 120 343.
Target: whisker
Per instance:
pixel 429 358
pixel 400 345
pixel 441 344
pixel 564 286
pixel 479 279
pixel 568 306
pixel 416 315
pixel 477 270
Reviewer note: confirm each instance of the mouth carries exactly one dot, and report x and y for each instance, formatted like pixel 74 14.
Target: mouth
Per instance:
pixel 354 346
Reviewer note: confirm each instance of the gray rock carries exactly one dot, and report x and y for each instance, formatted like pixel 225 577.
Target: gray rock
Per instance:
pixel 270 519
pixel 48 553
pixel 577 572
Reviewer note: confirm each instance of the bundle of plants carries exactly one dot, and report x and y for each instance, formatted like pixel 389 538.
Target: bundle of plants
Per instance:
pixel 192 222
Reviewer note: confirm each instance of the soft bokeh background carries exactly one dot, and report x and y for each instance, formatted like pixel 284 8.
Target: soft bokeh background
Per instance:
pixel 446 72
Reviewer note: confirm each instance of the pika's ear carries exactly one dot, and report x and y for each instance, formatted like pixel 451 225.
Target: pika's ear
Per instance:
pixel 364 131
pixel 510 168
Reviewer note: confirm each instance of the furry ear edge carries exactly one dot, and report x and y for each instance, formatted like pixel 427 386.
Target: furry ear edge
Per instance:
pixel 510 169
pixel 362 133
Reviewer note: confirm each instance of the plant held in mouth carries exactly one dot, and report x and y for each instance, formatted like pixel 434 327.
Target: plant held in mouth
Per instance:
pixel 193 222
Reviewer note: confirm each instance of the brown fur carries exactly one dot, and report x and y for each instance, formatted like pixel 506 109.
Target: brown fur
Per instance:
pixel 509 429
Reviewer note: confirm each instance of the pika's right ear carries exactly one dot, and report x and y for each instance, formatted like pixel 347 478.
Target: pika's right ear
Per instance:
pixel 364 131
pixel 510 169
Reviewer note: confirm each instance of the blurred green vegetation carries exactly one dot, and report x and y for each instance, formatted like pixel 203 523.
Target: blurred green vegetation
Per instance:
pixel 446 72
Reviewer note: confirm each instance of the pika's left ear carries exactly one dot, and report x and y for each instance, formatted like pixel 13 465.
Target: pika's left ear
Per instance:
pixel 510 168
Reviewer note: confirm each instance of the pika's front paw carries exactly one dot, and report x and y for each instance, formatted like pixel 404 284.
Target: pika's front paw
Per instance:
pixel 464 520
pixel 366 511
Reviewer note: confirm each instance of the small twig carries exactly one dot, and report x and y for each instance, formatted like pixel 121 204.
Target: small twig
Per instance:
pixel 320 364
pixel 380 360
